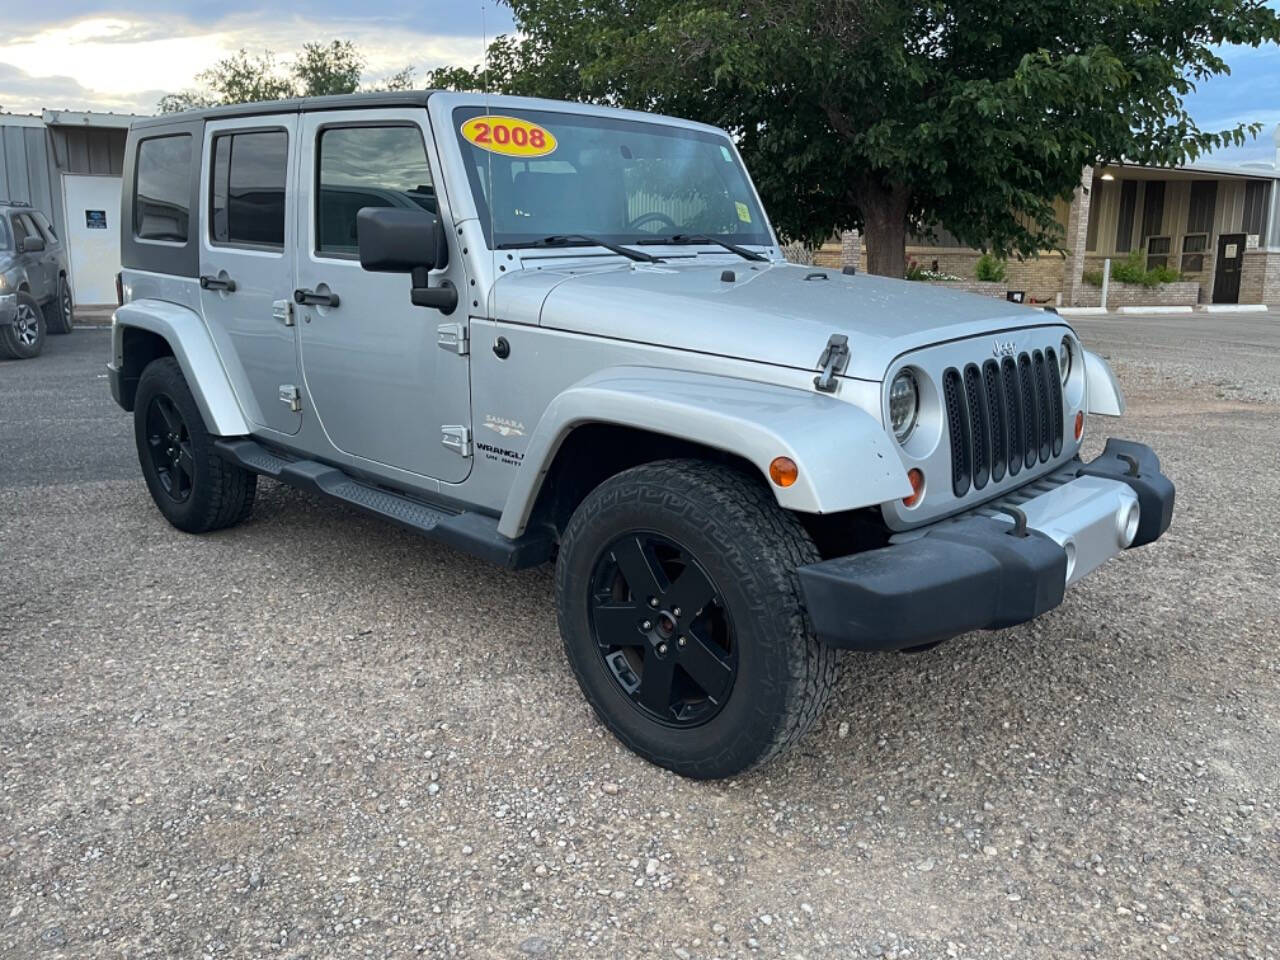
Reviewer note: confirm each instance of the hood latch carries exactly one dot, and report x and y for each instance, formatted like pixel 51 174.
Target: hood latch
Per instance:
pixel 833 361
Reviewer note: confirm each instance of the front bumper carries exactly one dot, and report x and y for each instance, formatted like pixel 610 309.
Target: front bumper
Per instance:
pixel 1003 564
pixel 8 307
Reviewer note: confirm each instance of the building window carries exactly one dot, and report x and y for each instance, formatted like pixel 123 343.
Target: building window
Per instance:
pixel 1193 247
pixel 367 167
pixel 1255 207
pixel 1124 222
pixel 1152 209
pixel 162 194
pixel 1157 252
pixel 247 188
pixel 1204 199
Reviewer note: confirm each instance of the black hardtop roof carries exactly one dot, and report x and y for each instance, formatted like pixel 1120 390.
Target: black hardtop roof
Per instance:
pixel 346 101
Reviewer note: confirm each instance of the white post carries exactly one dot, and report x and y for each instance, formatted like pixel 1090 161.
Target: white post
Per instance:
pixel 1106 279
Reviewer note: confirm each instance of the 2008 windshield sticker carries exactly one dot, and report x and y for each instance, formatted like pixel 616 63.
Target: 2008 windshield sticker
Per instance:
pixel 509 136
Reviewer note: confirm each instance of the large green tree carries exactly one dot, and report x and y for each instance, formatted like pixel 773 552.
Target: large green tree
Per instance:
pixel 895 116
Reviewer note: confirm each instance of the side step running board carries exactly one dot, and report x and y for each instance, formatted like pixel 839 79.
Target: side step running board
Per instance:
pixel 472 533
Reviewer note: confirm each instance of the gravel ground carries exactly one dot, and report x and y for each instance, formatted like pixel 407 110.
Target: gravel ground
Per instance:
pixel 318 736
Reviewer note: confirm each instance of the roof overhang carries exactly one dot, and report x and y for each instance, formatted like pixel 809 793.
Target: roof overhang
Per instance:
pixel 1132 171
pixel 87 118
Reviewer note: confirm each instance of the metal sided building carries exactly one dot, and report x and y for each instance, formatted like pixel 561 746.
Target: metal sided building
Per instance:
pixel 68 164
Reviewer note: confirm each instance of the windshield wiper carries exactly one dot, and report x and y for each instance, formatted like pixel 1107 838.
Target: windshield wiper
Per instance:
pixel 582 240
pixel 683 238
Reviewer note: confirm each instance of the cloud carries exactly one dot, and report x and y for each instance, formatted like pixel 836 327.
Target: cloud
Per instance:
pixel 124 61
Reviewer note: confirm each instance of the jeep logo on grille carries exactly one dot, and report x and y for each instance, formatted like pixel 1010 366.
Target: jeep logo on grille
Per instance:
pixel 1003 348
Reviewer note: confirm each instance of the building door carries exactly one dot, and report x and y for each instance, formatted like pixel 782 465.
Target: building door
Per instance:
pixel 92 204
pixel 1226 274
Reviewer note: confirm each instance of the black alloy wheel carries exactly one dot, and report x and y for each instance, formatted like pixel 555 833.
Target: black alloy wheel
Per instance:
pixel 169 446
pixel 662 629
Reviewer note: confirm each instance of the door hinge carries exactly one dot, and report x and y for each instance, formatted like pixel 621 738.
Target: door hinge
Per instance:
pixel 289 394
pixel 457 439
pixel 282 310
pixel 453 336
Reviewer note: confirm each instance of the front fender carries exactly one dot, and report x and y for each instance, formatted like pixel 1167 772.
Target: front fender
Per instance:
pixel 844 456
pixel 1102 390
pixel 193 348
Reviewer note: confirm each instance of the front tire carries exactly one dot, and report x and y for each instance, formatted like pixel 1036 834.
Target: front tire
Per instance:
pixel 23 337
pixel 683 620
pixel 195 489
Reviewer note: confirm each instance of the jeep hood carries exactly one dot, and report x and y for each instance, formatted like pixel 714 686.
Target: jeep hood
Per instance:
pixel 777 313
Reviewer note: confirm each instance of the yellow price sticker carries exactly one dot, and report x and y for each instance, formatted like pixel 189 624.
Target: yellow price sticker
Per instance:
pixel 509 136
pixel 744 212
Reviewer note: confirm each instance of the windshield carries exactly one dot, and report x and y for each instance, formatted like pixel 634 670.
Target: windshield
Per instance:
pixel 4 232
pixel 544 174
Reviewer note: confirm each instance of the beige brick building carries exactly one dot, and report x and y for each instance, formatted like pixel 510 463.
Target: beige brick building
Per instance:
pixel 1218 225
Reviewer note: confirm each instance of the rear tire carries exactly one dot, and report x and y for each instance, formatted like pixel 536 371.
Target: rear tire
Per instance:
pixel 195 489
pixel 688 569
pixel 23 337
pixel 59 313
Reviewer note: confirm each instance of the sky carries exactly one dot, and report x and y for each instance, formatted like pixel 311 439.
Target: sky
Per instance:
pixel 85 55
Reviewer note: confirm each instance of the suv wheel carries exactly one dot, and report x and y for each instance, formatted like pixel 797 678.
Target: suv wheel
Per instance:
pixel 59 313
pixel 195 489
pixel 682 617
pixel 23 337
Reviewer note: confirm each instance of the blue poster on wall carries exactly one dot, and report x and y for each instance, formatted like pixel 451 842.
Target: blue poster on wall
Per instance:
pixel 95 219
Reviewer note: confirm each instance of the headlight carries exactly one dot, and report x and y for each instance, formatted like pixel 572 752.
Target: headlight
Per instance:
pixel 904 404
pixel 1065 359
pixel 4 284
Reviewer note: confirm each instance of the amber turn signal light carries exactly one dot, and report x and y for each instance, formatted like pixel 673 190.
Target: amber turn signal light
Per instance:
pixel 1079 424
pixel 915 476
pixel 783 471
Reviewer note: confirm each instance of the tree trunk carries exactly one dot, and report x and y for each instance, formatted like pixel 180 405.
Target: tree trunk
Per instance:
pixel 884 211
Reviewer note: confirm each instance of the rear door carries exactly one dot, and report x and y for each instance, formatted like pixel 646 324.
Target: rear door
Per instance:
pixel 387 384
pixel 246 260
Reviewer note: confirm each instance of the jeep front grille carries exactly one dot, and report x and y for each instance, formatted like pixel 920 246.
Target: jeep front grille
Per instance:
pixel 1002 417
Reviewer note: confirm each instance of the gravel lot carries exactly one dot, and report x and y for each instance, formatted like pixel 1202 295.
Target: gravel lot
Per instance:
pixel 318 736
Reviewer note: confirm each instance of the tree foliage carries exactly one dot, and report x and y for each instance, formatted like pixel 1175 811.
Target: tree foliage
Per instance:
pixel 319 69
pixel 895 116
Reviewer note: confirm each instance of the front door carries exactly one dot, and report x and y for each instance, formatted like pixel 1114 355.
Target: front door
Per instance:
pixel 382 385
pixel 246 261
pixel 1226 274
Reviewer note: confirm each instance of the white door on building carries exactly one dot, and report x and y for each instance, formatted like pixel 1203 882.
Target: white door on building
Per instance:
pixel 92 205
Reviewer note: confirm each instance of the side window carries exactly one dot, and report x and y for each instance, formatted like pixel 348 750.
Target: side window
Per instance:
pixel 20 231
pixel 45 227
pixel 162 191
pixel 247 191
pixel 367 167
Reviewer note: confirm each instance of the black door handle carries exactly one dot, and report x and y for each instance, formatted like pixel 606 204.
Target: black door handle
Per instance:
pixel 214 283
pixel 313 299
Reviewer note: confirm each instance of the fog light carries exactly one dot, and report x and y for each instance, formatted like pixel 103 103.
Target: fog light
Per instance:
pixel 1079 424
pixel 783 471
pixel 915 476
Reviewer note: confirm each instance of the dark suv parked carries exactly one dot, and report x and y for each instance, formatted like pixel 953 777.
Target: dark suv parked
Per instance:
pixel 35 294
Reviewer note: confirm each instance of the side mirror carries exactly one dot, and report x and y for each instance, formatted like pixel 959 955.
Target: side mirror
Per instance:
pixel 395 240
pixel 398 240
pixel 32 244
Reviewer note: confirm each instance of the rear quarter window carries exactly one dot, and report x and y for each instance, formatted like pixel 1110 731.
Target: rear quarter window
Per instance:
pixel 162 192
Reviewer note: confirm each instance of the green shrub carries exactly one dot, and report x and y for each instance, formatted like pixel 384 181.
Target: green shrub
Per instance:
pixel 1133 269
pixel 990 269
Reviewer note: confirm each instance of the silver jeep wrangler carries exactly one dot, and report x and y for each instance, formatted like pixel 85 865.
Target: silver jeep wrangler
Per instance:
pixel 543 331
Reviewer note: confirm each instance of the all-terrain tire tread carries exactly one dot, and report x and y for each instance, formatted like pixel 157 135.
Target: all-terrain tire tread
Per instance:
pixel 773 545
